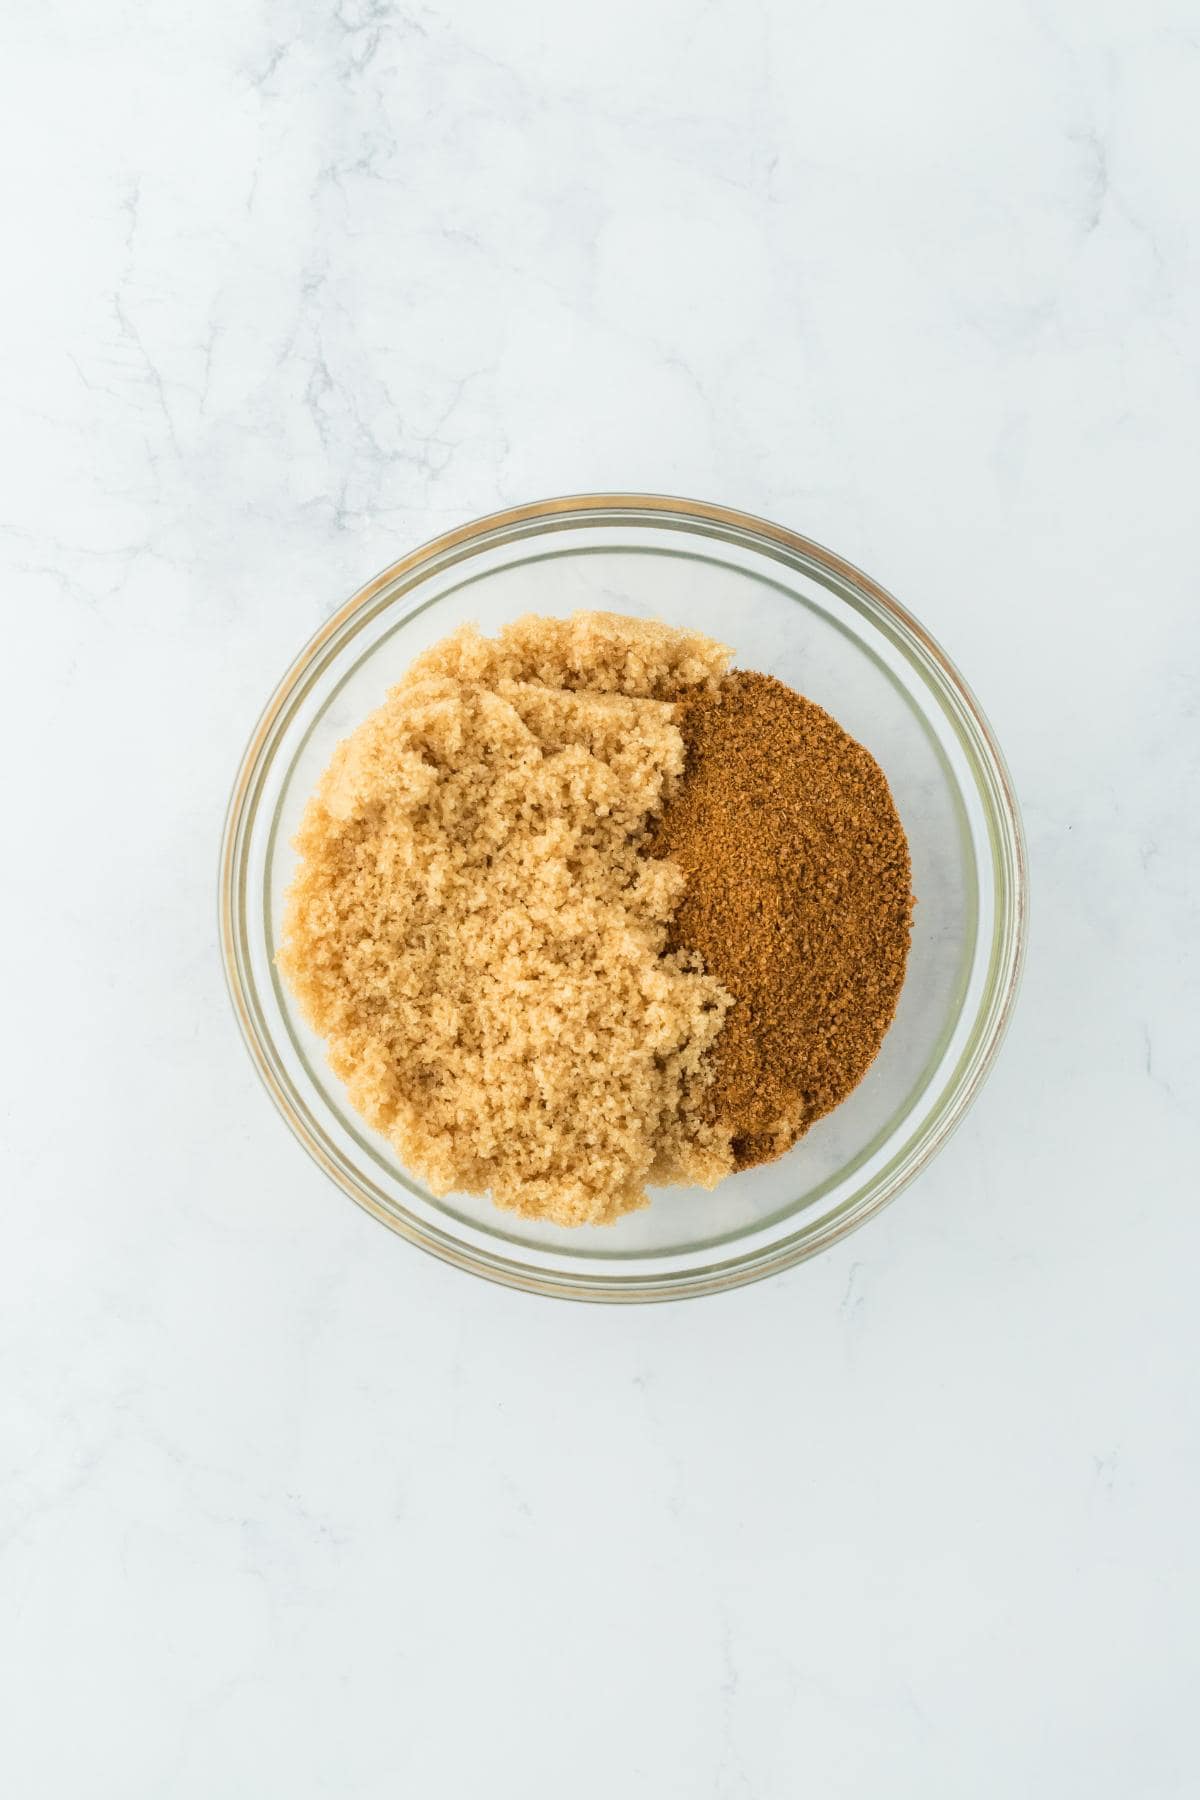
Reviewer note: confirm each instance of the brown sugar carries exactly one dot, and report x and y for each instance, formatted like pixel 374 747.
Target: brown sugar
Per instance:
pixel 476 931
pixel 577 912
pixel 798 900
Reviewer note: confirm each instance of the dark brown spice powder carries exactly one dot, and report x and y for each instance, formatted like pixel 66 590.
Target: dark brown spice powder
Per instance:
pixel 799 899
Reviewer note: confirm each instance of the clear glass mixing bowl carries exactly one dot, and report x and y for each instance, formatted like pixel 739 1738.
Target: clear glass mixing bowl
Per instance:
pixel 787 607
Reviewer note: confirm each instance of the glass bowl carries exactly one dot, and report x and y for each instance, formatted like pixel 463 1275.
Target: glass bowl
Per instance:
pixel 789 608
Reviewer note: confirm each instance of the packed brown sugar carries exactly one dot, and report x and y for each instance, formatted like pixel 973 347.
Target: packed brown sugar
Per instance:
pixel 798 899
pixel 478 935
pixel 578 912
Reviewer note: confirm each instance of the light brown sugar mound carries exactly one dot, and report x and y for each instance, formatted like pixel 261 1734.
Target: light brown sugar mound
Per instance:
pixel 477 933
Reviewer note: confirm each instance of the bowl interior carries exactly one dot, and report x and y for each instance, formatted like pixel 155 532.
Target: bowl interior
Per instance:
pixel 818 630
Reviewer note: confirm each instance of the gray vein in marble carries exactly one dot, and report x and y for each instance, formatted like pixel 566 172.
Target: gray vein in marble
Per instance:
pixel 730 1777
pixel 130 331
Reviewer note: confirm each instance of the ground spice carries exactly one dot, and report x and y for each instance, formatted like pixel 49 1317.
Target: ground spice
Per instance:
pixel 798 898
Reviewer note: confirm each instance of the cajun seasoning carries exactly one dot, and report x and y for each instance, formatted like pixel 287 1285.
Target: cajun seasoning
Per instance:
pixel 798 898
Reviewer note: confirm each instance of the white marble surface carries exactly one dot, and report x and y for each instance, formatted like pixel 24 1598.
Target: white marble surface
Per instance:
pixel 287 1508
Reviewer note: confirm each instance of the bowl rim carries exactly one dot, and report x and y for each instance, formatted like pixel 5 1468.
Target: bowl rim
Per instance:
pixel 1005 828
